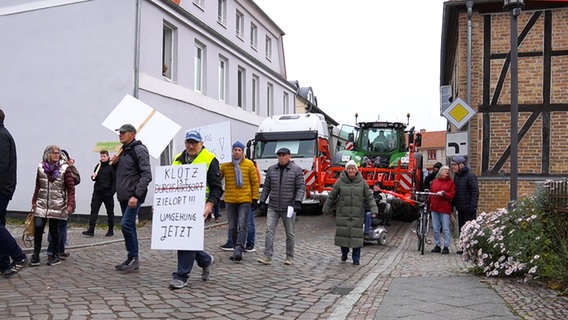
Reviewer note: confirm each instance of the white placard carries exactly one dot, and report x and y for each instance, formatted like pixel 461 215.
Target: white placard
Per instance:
pixel 217 139
pixel 157 130
pixel 179 202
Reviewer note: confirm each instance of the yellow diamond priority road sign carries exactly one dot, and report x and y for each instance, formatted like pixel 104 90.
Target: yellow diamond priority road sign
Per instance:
pixel 459 113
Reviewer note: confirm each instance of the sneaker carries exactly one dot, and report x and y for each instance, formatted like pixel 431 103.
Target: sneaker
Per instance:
pixel 16 267
pixel 177 284
pixel 237 255
pixel 34 261
pixel 227 247
pixel 250 249
pixel 355 263
pixel 265 260
pixel 289 261
pixel 206 273
pixel 343 257
pixel 88 233
pixel 446 250
pixel 436 249
pixel 133 265
pixel 54 261
pixel 64 255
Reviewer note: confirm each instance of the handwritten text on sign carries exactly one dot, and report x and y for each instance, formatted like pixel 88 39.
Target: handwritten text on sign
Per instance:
pixel 179 201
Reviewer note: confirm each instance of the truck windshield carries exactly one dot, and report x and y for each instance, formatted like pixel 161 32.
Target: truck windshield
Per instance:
pixel 298 148
pixel 379 139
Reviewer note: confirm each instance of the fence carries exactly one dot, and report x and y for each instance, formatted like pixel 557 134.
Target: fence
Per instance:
pixel 558 195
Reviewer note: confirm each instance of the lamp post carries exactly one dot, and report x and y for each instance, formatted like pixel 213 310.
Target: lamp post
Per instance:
pixel 514 7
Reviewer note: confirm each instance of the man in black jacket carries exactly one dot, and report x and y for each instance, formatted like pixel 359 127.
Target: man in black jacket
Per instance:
pixel 467 192
pixel 103 192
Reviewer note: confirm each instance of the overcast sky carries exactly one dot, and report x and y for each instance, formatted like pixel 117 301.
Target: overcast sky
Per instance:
pixel 376 58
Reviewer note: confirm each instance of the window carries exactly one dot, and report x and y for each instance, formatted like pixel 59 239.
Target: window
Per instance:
pixel 199 3
pixel 255 86
pixel 241 88
pixel 269 100
pixel 268 44
pixel 222 78
pixel 253 36
pixel 431 154
pixel 198 67
pixel 167 51
pixel 222 12
pixel 240 21
pixel 285 101
pixel 167 155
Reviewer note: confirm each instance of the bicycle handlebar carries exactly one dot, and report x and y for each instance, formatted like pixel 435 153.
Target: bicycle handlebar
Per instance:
pixel 423 193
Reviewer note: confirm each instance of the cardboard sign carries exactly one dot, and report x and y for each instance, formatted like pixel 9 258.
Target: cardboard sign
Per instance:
pixel 154 129
pixel 179 202
pixel 217 139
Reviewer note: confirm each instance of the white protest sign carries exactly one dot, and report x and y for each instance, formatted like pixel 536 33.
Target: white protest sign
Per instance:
pixel 179 202
pixel 217 139
pixel 154 129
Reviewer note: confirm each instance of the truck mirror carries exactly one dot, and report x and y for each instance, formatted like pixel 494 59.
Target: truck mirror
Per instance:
pixel 418 139
pixel 351 137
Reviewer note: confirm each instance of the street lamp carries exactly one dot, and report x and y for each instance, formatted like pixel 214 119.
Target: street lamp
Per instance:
pixel 514 7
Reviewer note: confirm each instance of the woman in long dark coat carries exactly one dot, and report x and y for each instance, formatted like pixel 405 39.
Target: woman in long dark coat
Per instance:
pixel 351 195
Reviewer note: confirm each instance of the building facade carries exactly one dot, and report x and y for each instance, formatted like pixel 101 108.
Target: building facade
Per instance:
pixel 68 63
pixel 542 91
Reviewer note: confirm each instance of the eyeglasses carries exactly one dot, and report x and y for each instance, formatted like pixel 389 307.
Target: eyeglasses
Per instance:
pixel 191 142
pixel 55 152
pixel 281 155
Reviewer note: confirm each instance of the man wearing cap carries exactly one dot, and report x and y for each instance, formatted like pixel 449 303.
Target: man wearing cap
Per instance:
pixel 241 196
pixel 133 174
pixel 195 153
pixel 467 192
pixel 284 183
pixel 430 177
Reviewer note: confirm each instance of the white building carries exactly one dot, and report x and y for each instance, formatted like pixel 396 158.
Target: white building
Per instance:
pixel 67 63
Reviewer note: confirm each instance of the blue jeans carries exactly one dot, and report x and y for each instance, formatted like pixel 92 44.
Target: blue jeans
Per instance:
pixel 441 220
pixel 368 222
pixel 272 217
pixel 251 232
pixel 237 216
pixel 128 226
pixel 4 259
pixel 186 260
pixel 62 238
pixel 356 253
pixel 9 249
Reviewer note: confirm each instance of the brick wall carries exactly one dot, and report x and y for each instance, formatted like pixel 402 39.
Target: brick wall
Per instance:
pixel 494 189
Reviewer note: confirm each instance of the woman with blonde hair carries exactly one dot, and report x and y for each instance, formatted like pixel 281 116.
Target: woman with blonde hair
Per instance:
pixel 441 207
pixel 53 200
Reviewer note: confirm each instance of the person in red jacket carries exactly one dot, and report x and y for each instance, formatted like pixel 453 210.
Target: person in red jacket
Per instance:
pixel 441 206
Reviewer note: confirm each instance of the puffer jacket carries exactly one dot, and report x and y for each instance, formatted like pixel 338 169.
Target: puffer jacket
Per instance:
pixel 133 174
pixel 442 204
pixel 467 191
pixel 248 191
pixel 284 189
pixel 51 199
pixel 8 160
pixel 350 197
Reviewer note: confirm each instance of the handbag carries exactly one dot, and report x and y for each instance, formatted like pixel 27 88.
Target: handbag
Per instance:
pixel 29 227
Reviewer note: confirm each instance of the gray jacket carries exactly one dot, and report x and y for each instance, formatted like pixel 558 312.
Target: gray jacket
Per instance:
pixel 133 172
pixel 284 186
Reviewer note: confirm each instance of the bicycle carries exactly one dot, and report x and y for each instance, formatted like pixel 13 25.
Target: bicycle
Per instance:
pixel 423 225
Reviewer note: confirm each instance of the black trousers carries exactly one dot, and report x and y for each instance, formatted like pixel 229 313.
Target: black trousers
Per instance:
pixel 465 216
pixel 53 233
pixel 96 201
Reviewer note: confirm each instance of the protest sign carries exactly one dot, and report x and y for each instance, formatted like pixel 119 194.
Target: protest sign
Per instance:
pixel 217 139
pixel 179 202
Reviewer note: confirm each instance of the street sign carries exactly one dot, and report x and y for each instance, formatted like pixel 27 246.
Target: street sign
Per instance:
pixel 457 144
pixel 459 113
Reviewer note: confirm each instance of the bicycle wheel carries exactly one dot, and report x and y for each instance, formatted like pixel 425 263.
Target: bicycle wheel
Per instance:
pixel 423 233
pixel 418 234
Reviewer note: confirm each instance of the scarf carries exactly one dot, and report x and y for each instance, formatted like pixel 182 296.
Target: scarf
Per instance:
pixel 51 170
pixel 238 172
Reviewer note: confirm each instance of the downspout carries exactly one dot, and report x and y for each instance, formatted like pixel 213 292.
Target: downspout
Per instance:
pixel 469 5
pixel 137 50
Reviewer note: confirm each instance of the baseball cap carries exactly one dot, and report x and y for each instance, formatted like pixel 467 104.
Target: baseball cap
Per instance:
pixel 438 165
pixel 193 135
pixel 126 128
pixel 283 151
